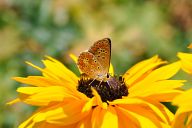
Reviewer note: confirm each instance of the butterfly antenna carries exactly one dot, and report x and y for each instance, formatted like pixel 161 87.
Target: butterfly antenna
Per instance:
pixel 93 81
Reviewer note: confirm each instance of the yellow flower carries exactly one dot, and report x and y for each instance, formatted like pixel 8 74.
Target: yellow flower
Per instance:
pixel 183 117
pixel 132 101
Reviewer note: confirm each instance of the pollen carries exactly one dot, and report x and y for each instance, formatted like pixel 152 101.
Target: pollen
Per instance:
pixel 109 90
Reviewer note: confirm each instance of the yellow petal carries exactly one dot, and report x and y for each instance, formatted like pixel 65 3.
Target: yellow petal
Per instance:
pixel 179 121
pixel 111 70
pixel 157 79
pixel 166 96
pixel 73 57
pixel 163 73
pixel 141 120
pixel 183 116
pixel 48 125
pixel 104 118
pixel 88 105
pixel 184 99
pixel 28 123
pixel 63 114
pixel 110 118
pixel 185 56
pixel 98 99
pixel 48 74
pixel 141 70
pixel 155 88
pixel 189 120
pixel 159 110
pixel 124 121
pixel 13 101
pixel 39 81
pixel 42 96
pixel 58 69
pixel 85 122
pixel 44 82
pixel 34 123
pixel 186 61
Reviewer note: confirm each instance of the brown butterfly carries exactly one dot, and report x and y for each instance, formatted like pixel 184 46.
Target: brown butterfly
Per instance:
pixel 96 61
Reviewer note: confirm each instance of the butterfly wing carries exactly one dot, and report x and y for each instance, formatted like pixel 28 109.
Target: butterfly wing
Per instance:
pixel 102 52
pixel 89 65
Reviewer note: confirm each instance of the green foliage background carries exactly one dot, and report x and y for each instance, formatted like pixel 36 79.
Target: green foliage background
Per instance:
pixel 139 29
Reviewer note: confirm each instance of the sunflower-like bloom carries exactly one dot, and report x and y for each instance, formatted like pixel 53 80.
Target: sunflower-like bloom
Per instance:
pixel 131 101
pixel 183 116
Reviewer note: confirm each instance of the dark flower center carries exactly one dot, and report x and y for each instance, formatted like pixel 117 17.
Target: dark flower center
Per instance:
pixel 113 88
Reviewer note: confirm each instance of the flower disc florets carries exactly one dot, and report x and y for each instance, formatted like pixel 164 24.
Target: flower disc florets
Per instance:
pixel 109 90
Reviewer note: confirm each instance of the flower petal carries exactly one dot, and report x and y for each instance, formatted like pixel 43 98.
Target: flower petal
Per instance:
pixel 183 99
pixel 179 121
pixel 73 57
pixel 189 120
pixel 62 114
pixel 42 96
pixel 111 70
pixel 141 70
pixel 156 108
pixel 143 119
pixel 85 122
pixel 157 88
pixel 104 118
pixel 98 100
pixel 186 61
pixel 38 119
pixel 39 81
pixel 163 73
pixel 183 115
pixel 59 70
pixel 14 101
pixel 48 125
pixel 45 82
pixel 28 123
pixel 156 83
pixel 124 121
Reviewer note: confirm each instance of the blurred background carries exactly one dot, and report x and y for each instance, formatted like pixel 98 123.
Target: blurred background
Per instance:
pixel 31 29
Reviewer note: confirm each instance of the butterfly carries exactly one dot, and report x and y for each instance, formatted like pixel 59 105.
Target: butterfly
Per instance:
pixel 95 61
